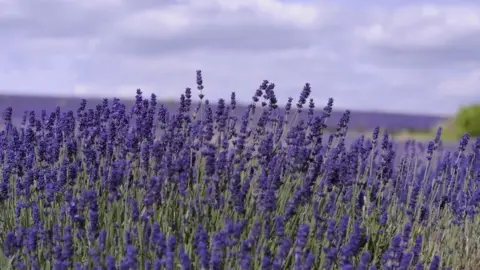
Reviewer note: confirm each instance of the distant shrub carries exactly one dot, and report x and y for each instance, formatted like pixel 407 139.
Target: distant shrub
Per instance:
pixel 468 120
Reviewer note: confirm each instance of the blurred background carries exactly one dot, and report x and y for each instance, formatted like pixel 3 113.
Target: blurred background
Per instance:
pixel 406 66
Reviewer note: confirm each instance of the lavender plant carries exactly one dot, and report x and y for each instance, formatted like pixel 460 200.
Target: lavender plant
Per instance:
pixel 197 188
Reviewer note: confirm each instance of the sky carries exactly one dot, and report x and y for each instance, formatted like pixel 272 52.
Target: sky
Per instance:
pixel 396 56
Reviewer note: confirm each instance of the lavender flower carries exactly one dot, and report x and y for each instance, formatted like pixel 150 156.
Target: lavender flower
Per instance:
pixel 364 260
pixel 282 252
pixel 435 263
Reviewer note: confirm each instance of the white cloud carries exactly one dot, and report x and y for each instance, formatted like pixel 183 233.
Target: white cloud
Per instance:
pixel 425 34
pixel 417 57
pixel 424 26
pixel 466 86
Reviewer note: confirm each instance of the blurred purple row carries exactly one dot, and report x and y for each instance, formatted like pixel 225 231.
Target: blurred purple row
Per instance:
pixel 359 121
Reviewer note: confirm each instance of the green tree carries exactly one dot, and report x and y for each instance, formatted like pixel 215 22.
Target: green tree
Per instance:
pixel 468 120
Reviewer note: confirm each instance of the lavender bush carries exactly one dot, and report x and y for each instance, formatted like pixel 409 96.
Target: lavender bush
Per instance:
pixel 199 189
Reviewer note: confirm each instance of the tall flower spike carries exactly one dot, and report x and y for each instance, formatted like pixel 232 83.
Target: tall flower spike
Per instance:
pixel 200 84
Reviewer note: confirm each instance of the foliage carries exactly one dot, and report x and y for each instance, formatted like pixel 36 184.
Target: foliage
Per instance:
pixel 468 120
pixel 196 188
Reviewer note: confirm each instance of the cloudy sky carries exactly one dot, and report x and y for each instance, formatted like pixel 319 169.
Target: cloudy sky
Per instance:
pixel 408 56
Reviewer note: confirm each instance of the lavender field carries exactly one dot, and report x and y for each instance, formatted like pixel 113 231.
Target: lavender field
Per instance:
pixel 210 184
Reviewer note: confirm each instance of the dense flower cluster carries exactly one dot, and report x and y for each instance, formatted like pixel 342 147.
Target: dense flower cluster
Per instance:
pixel 197 188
